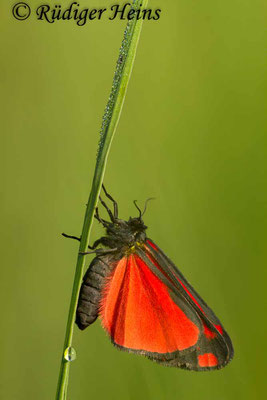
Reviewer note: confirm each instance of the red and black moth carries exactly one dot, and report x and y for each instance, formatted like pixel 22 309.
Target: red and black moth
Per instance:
pixel 144 302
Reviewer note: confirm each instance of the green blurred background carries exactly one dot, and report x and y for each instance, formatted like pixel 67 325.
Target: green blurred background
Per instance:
pixel 192 134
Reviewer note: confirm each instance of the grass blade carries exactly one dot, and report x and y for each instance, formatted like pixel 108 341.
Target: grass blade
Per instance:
pixel 110 121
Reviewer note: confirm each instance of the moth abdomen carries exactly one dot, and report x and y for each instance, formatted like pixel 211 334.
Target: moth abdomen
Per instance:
pixel 90 292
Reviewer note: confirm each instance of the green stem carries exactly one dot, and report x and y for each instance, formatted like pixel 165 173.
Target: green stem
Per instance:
pixel 110 121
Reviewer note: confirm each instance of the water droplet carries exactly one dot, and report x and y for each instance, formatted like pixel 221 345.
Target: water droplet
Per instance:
pixel 70 354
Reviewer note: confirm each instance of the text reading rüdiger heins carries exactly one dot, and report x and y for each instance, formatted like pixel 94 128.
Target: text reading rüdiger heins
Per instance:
pixel 74 12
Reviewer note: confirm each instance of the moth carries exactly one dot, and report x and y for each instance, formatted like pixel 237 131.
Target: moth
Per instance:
pixel 144 302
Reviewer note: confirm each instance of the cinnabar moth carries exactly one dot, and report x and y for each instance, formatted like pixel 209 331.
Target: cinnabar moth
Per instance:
pixel 144 302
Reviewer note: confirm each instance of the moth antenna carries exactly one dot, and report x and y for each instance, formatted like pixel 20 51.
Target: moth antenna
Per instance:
pixel 140 212
pixel 147 200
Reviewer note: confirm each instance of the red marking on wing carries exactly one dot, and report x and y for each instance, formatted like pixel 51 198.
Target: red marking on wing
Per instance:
pixel 190 294
pixel 208 333
pixel 152 245
pixel 219 328
pixel 207 360
pixel 138 312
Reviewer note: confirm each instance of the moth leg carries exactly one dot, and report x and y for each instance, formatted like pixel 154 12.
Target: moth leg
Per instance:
pixel 98 251
pixel 115 204
pixel 98 242
pixel 99 219
pixel 71 237
pixel 111 216
pixel 76 238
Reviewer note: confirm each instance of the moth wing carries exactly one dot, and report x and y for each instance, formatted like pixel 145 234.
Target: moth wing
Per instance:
pixel 143 315
pixel 214 343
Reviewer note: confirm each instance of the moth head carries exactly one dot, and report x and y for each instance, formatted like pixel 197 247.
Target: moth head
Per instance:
pixel 136 224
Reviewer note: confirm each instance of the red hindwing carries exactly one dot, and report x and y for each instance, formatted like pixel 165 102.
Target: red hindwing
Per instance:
pixel 148 307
